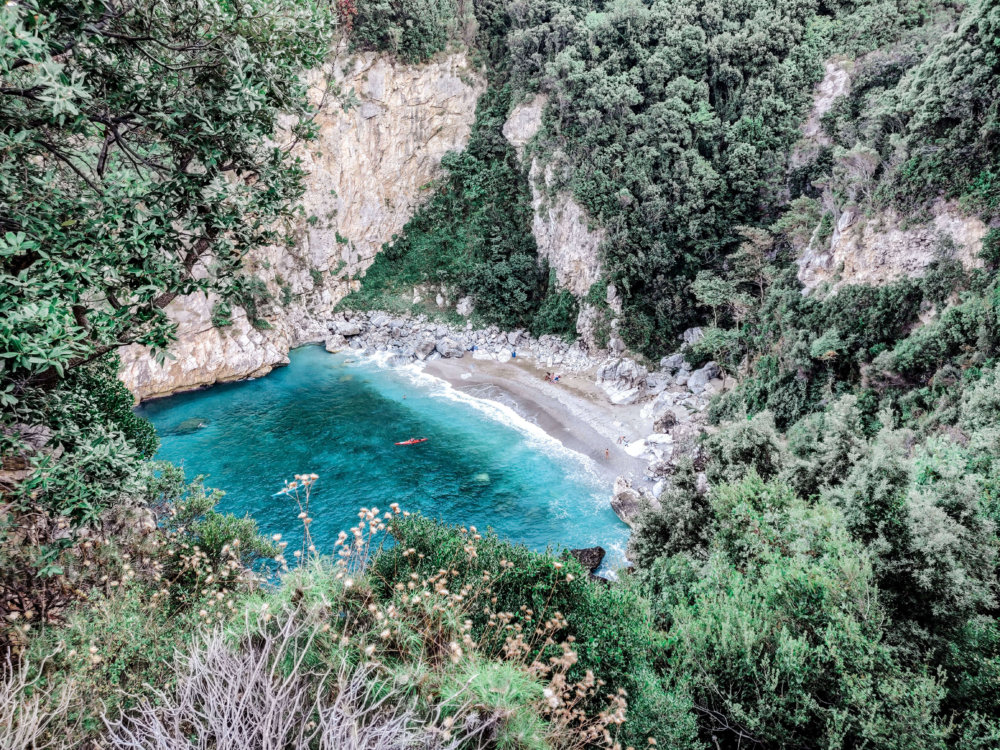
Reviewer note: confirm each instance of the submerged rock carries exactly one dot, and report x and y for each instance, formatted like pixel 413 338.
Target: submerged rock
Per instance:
pixel 190 425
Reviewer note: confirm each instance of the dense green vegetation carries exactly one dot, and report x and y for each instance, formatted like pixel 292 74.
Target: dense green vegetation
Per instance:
pixel 836 584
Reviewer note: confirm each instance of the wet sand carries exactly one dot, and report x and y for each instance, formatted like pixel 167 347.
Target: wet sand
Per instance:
pixel 574 411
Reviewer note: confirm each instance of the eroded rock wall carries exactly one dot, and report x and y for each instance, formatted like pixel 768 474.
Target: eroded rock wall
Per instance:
pixel 885 247
pixel 383 129
pixel 564 233
pixel 873 247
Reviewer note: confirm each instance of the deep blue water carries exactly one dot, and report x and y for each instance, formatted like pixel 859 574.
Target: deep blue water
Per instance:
pixel 338 417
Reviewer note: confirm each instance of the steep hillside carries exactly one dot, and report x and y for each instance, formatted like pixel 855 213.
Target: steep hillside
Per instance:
pixel 383 127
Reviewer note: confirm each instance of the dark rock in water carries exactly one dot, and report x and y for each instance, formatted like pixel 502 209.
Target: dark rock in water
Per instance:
pixel 590 557
pixel 190 425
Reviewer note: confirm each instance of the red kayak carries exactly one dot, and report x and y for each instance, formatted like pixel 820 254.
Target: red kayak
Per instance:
pixel 413 441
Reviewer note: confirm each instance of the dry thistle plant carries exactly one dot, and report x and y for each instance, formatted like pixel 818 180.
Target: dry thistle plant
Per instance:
pixel 28 706
pixel 431 614
pixel 262 693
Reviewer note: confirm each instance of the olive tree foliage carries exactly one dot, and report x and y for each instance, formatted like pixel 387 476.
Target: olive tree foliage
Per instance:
pixel 137 164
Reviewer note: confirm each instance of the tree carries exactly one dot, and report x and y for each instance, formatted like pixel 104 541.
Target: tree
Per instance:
pixel 137 164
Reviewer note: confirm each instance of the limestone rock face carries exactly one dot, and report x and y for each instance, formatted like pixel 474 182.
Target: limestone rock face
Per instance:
pixel 202 354
pixel 883 248
pixel 524 122
pixel 377 148
pixel 562 232
pixel 561 227
pixel 836 82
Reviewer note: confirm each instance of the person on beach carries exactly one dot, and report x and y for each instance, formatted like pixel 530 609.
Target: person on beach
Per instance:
pixel 607 454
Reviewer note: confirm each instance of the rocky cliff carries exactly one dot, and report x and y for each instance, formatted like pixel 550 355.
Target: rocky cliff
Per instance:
pixel 566 237
pixel 383 129
pixel 873 247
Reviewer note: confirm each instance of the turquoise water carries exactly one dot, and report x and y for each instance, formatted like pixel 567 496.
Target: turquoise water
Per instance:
pixel 338 416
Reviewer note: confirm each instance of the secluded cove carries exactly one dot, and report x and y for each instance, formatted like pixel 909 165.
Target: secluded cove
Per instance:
pixel 339 417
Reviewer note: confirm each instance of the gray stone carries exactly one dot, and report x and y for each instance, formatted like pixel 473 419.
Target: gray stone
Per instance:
pixel 465 307
pixel 628 502
pixel 623 380
pixel 348 328
pixel 700 377
pixel 672 363
pixel 424 349
pixel 692 336
pixel 665 421
pixel 335 343
pixel 448 347
pixel 616 345
pixel 590 557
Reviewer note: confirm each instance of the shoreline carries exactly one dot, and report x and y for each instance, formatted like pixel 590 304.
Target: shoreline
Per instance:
pixel 570 411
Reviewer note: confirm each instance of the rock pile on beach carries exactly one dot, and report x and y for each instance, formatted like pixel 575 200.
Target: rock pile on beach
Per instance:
pixel 410 339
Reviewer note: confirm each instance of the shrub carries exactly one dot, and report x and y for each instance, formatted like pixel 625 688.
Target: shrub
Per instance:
pixel 412 29
pixel 779 640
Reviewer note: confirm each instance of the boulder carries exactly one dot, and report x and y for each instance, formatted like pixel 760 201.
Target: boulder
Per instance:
pixel 465 307
pixel 660 470
pixel 616 345
pixel 423 349
pixel 636 448
pixel 700 378
pixel 626 396
pixel 347 328
pixel 623 380
pixel 448 347
pixel 692 336
pixel 628 502
pixel 665 421
pixel 335 343
pixel 657 382
pixel 672 363
pixel 590 557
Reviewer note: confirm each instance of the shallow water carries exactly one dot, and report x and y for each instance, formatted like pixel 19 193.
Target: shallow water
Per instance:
pixel 338 416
